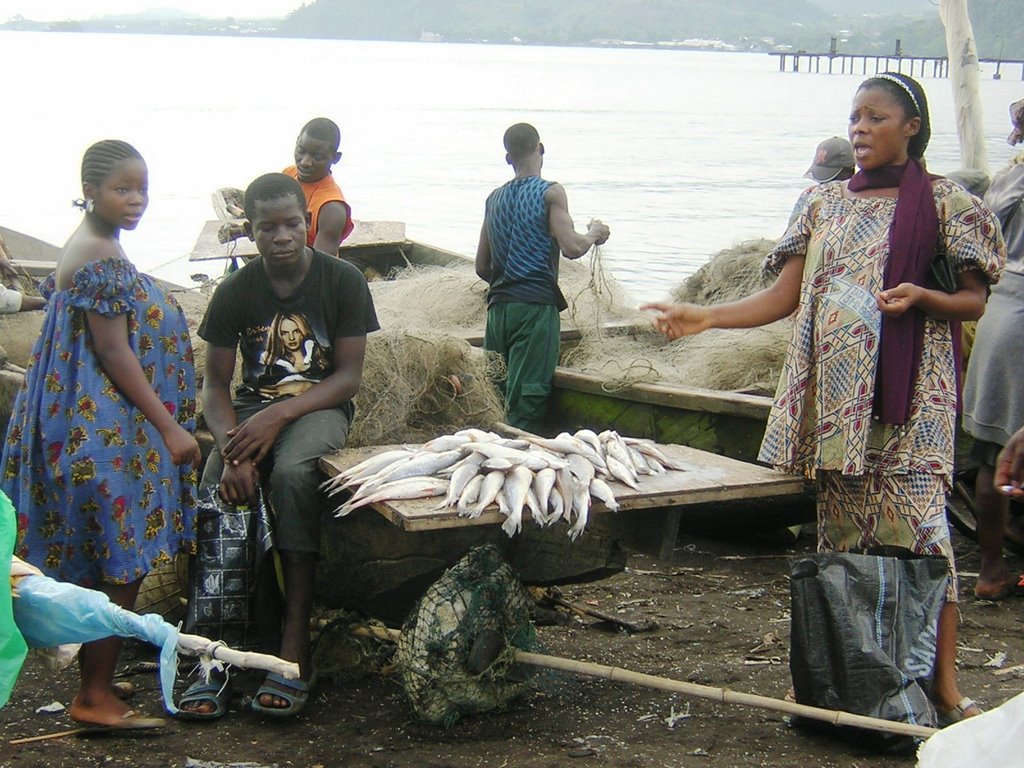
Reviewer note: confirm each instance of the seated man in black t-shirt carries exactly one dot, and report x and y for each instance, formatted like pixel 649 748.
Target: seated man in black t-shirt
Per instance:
pixel 299 319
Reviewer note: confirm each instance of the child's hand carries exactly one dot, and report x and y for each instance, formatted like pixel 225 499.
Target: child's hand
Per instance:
pixel 677 320
pixel 182 446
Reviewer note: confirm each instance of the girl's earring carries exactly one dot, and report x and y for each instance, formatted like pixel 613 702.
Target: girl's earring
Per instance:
pixel 90 205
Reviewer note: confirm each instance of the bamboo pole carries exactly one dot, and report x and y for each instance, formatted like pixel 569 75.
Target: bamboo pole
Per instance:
pixel 203 647
pixel 722 695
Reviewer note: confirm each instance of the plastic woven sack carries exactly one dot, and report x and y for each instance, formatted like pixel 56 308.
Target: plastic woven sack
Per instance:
pixel 864 638
pixel 230 546
pixel 477 599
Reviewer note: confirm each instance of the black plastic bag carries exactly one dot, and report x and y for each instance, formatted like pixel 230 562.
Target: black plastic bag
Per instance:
pixel 864 638
pixel 231 545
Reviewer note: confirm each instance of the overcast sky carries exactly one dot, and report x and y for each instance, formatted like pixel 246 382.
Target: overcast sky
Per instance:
pixel 59 10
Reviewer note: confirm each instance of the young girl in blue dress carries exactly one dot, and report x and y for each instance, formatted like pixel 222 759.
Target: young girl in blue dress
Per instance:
pixel 100 458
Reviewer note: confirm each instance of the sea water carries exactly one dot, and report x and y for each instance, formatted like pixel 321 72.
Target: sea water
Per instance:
pixel 681 153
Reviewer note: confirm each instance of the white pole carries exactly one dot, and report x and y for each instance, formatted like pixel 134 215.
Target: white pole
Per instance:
pixel 964 76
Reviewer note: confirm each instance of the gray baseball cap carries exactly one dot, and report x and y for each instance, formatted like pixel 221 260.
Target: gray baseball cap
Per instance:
pixel 830 158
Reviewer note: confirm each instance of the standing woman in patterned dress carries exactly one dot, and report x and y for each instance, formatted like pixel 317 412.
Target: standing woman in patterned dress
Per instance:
pixel 100 459
pixel 867 399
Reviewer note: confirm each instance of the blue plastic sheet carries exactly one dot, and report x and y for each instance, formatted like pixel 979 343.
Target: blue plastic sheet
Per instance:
pixel 50 612
pixel 12 645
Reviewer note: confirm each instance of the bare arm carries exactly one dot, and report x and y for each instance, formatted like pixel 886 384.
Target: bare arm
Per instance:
pixel 773 303
pixel 6 268
pixel 330 224
pixel 571 243
pixel 110 343
pixel 968 303
pixel 253 438
pixel 483 255
pixel 238 480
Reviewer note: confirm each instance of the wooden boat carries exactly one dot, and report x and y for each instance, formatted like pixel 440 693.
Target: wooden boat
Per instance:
pixel 385 566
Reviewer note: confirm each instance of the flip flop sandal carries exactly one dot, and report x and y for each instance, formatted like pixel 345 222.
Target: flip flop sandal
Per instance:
pixel 1011 589
pixel 957 712
pixel 130 721
pixel 123 689
pixel 217 692
pixel 294 692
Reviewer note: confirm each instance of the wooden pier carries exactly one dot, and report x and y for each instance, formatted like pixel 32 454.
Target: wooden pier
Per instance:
pixel 868 64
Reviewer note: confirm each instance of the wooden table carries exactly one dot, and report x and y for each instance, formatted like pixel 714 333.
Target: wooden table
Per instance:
pixel 708 477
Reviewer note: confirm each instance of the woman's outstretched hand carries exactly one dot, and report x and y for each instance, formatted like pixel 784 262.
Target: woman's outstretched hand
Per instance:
pixel 677 320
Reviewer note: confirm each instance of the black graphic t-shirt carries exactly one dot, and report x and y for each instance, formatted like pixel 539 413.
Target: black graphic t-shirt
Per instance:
pixel 287 345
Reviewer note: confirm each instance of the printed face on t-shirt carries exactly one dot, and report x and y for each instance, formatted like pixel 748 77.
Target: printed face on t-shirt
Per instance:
pixel 293 360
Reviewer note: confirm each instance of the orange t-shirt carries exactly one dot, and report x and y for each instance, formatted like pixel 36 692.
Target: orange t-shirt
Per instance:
pixel 317 193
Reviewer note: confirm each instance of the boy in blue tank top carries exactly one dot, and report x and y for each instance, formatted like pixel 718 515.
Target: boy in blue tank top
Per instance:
pixel 526 225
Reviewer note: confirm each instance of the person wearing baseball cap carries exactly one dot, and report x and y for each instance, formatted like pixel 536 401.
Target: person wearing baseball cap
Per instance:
pixel 833 161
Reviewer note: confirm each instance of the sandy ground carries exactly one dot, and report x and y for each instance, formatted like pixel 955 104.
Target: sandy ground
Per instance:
pixel 722 609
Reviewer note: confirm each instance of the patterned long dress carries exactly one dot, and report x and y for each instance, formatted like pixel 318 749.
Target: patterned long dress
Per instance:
pixel 98 498
pixel 878 483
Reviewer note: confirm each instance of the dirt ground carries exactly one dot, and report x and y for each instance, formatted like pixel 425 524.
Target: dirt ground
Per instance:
pixel 722 609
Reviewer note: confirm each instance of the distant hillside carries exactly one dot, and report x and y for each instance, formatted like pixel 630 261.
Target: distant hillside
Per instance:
pixel 568 21
pixel 844 8
pixel 864 26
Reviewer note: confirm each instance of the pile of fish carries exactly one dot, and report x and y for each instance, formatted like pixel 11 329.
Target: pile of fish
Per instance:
pixel 554 478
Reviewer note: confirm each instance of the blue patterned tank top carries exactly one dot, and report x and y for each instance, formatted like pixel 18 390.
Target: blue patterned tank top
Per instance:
pixel 524 255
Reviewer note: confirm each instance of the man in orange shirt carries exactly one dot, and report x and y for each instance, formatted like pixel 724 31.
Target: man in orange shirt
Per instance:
pixel 316 150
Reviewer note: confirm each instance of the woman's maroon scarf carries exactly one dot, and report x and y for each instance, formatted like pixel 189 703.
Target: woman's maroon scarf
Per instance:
pixel 913 237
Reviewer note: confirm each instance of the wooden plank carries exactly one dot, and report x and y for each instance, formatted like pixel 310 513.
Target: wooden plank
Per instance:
pixel 707 477
pixel 208 247
pixel 366 235
pixel 673 396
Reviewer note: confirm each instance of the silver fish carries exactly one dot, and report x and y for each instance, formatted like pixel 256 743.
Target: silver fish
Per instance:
pixel 543 483
pixel 516 456
pixel 460 479
pixel 589 437
pixel 422 464
pixel 622 473
pixel 600 490
pixel 420 487
pixel 580 467
pixel 499 463
pixel 580 507
pixel 469 496
pixel 648 448
pixel 566 444
pixel 517 483
pixel 445 443
pixel 556 507
pixel 493 481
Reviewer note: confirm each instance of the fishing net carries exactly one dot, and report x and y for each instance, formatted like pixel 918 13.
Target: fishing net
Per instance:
pixel 347 647
pixel 421 299
pixel 408 393
pixel 445 649
pixel 748 359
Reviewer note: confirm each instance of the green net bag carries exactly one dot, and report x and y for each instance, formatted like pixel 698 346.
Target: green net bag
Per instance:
pixel 477 610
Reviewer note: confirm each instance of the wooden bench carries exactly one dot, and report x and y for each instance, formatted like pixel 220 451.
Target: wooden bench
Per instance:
pixel 708 478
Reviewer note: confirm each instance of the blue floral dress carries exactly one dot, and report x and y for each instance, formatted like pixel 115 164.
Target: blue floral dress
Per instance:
pixel 98 498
